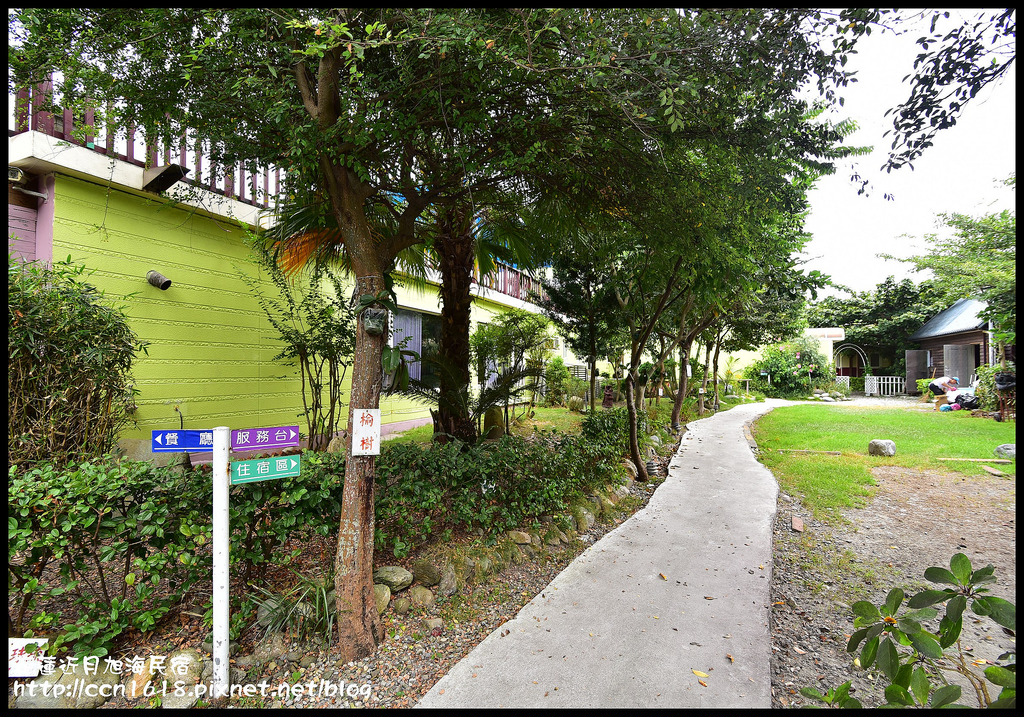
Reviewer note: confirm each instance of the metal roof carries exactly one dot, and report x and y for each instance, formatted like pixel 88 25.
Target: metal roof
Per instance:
pixel 958 318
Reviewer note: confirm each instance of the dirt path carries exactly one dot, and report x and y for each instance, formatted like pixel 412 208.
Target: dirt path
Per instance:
pixel 917 519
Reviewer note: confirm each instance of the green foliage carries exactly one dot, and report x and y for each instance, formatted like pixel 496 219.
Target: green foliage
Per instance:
pixel 986 391
pixel 895 641
pixel 883 319
pixel 498 486
pixel 556 380
pixel 69 361
pixel 307 610
pixel 788 375
pixel 114 537
pixel 610 428
pixel 318 333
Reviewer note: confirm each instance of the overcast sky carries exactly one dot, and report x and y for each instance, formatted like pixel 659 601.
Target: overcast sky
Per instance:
pixel 959 173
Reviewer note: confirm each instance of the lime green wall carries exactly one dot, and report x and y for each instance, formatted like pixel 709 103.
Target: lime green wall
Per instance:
pixel 210 348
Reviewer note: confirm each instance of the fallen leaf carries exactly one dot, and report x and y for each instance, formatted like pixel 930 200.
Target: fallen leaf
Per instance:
pixel 703 683
pixel 440 692
pixel 707 597
pixel 663 576
pixel 731 658
pixel 699 673
pixel 799 651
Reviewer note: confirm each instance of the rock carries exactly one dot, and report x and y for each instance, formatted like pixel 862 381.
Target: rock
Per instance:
pixel 519 537
pixel 394 576
pixel 553 537
pixel 306 661
pixel 583 519
pixel 482 568
pixel 630 468
pixel 266 613
pixel 534 538
pixel 449 583
pixel 828 399
pixel 656 440
pixel 40 692
pixel 421 597
pixel 381 596
pixel 426 573
pixel 274 647
pixel 232 647
pixel 338 444
pixel 184 672
pixel 431 624
pixel 606 505
pixel 403 605
pixel 879 447
pixel 1006 450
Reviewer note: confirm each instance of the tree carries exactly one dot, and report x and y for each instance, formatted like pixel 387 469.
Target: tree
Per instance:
pixel 978 261
pixel 580 305
pixel 883 319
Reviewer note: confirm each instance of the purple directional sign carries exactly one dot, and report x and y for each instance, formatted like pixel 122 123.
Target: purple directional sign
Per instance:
pixel 264 439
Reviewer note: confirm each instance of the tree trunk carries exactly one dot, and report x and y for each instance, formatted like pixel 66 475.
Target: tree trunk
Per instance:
pixel 359 626
pixel 684 383
pixel 634 443
pixel 455 250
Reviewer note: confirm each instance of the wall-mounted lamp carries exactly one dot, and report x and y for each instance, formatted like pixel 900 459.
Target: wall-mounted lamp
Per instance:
pixel 18 179
pixel 158 280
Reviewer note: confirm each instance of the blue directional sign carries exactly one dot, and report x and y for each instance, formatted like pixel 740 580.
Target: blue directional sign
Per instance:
pixel 265 469
pixel 180 441
pixel 264 439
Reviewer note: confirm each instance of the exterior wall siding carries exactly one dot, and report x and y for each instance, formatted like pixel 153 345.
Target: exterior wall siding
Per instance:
pixel 210 344
pixel 978 338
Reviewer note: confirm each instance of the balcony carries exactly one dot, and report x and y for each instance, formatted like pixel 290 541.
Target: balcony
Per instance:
pixel 256 189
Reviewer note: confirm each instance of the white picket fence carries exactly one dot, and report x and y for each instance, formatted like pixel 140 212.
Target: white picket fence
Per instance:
pixel 883 385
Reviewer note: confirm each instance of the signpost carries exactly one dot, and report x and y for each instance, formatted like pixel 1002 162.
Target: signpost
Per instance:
pixel 264 469
pixel 264 439
pixel 221 441
pixel 182 440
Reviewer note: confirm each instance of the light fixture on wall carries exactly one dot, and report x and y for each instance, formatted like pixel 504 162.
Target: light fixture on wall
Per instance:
pixel 158 280
pixel 18 180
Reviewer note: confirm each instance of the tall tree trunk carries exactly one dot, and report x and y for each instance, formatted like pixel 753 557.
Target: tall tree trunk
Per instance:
pixel 455 250
pixel 684 383
pixel 634 443
pixel 359 626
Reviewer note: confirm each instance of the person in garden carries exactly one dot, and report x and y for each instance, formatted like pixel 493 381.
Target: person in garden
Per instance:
pixel 944 385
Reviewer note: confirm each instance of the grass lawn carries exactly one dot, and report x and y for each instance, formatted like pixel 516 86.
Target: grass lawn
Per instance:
pixel 829 483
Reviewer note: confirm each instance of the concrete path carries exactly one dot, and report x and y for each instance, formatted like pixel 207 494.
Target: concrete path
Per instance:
pixel 680 586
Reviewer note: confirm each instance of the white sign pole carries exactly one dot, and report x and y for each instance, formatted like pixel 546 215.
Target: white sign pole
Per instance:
pixel 221 560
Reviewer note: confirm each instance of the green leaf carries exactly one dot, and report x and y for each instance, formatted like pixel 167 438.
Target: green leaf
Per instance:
pixel 919 686
pixel 862 608
pixel 940 575
pixel 955 608
pixel 896 695
pixel 961 567
pixel 867 655
pixel 929 597
pixel 945 695
pixel 925 643
pixel 855 639
pixel 888 658
pixel 893 601
pixel 1002 611
pixel 1001 676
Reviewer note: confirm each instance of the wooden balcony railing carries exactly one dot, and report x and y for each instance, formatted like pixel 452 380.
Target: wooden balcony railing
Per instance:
pixel 253 188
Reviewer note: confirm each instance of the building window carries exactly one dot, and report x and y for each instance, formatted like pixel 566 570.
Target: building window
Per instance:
pixel 423 332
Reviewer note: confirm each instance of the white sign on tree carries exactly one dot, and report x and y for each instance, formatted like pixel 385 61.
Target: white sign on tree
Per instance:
pixel 366 432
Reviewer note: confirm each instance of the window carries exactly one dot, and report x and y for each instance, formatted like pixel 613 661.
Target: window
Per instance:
pixel 423 332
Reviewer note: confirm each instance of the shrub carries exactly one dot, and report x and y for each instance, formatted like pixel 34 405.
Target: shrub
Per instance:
pixel 69 360
pixel 113 535
pixel 787 374
pixel 556 378
pixel 986 391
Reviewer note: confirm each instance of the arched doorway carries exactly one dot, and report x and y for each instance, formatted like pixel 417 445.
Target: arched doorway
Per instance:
pixel 853 369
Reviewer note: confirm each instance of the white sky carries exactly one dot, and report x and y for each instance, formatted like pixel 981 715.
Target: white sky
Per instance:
pixel 960 172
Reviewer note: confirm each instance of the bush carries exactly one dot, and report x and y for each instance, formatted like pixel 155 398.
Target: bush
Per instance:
pixel 791 376
pixel 115 536
pixel 986 390
pixel 556 378
pixel 69 360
